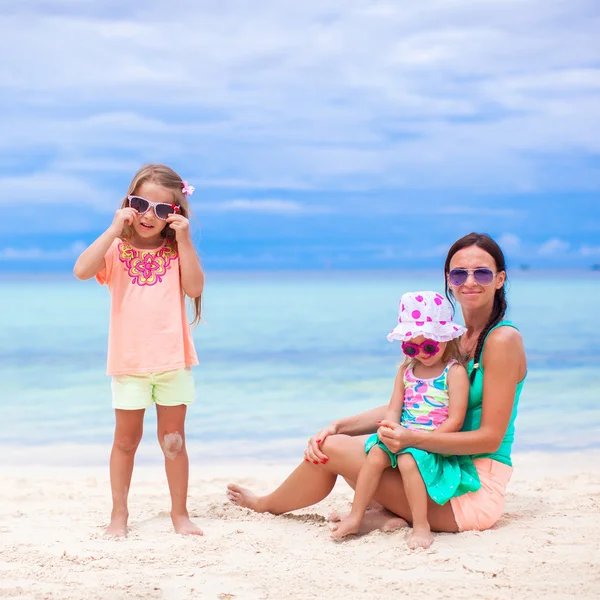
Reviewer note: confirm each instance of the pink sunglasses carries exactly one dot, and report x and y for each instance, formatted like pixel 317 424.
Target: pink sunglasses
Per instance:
pixel 429 347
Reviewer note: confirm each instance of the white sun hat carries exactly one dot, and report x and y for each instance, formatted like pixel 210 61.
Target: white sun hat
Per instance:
pixel 428 314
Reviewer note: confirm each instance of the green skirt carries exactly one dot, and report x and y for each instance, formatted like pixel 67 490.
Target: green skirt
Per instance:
pixel 445 477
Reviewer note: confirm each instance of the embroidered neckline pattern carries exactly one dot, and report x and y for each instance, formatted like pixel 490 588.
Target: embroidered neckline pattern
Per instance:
pixel 146 267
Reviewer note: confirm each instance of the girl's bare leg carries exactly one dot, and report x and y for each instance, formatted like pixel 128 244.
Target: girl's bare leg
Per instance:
pixel 309 484
pixel 366 485
pixel 416 494
pixel 171 437
pixel 129 426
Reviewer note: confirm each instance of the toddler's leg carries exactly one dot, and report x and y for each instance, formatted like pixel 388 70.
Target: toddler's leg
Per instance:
pixel 416 494
pixel 171 437
pixel 366 485
pixel 129 427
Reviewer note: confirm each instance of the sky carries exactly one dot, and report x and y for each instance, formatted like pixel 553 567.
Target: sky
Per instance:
pixel 322 134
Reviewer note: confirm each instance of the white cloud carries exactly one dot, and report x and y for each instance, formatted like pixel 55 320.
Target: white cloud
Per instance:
pixel 262 206
pixel 480 210
pixel 38 254
pixel 509 242
pixel 322 93
pixel 589 250
pixel 553 247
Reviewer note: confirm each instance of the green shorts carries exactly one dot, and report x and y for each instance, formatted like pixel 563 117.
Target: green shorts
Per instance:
pixel 169 388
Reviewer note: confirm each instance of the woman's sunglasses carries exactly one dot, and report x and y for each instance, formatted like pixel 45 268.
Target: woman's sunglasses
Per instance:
pixel 481 275
pixel 161 209
pixel 429 347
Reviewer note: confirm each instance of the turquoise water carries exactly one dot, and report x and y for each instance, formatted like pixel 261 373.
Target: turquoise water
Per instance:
pixel 281 355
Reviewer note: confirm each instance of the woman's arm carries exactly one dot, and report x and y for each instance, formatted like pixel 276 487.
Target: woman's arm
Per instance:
pixel 458 399
pixel 504 364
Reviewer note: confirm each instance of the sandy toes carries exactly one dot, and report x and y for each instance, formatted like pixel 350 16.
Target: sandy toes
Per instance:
pixel 118 525
pixel 378 519
pixel 345 527
pixel 421 537
pixel 184 526
pixel 243 497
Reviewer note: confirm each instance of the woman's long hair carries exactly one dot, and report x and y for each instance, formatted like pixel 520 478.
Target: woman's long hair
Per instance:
pixel 485 242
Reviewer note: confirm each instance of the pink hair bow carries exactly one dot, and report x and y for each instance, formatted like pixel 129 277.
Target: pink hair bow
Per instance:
pixel 187 189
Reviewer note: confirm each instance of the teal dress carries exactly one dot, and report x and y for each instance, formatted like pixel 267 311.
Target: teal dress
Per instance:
pixel 425 409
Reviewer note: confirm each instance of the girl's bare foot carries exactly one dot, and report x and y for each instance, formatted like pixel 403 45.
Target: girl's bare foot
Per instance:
pixel 375 519
pixel 347 526
pixel 244 497
pixel 118 524
pixel 184 526
pixel 421 538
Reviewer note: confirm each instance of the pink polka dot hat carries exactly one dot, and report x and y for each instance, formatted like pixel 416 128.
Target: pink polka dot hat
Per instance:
pixel 428 314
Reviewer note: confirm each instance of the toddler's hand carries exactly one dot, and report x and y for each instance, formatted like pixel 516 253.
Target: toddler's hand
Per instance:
pixel 123 216
pixel 393 435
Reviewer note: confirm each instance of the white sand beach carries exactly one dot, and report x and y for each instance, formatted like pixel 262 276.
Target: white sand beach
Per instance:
pixel 547 545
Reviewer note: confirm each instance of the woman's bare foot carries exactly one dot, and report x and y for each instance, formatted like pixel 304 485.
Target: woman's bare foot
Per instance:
pixel 421 538
pixel 118 524
pixel 244 497
pixel 377 518
pixel 347 526
pixel 184 526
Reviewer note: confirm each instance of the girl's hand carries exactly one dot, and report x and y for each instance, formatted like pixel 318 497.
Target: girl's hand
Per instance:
pixel 123 216
pixel 180 225
pixel 313 452
pixel 393 435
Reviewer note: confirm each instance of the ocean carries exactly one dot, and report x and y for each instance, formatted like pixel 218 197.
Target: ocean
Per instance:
pixel 282 354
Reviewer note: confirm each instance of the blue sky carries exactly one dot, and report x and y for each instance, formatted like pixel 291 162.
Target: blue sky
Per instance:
pixel 318 134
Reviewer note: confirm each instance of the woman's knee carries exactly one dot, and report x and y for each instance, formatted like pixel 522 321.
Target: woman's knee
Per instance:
pixel 338 445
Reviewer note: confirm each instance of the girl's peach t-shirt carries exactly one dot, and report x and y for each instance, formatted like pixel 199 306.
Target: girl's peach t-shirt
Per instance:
pixel 149 330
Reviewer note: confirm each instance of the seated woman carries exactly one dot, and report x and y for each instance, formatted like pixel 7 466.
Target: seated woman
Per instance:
pixel 475 276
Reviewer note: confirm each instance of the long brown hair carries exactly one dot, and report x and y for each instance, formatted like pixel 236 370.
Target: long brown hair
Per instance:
pixel 166 178
pixel 485 242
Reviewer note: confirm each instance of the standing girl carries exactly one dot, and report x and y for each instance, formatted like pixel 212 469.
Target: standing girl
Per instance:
pixel 431 393
pixel 148 261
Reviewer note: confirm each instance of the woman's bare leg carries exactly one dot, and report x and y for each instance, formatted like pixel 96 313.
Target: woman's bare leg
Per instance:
pixel 309 484
pixel 416 494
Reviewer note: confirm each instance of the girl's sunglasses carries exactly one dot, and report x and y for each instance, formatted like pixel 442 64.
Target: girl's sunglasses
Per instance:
pixel 161 209
pixel 482 276
pixel 429 347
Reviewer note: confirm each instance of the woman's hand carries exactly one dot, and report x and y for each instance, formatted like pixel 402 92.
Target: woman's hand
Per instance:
pixel 180 225
pixel 313 452
pixel 393 435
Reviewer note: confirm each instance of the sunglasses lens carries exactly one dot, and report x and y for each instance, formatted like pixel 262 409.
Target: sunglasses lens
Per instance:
pixel 409 349
pixel 163 210
pixel 430 348
pixel 139 204
pixel 483 276
pixel 458 276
